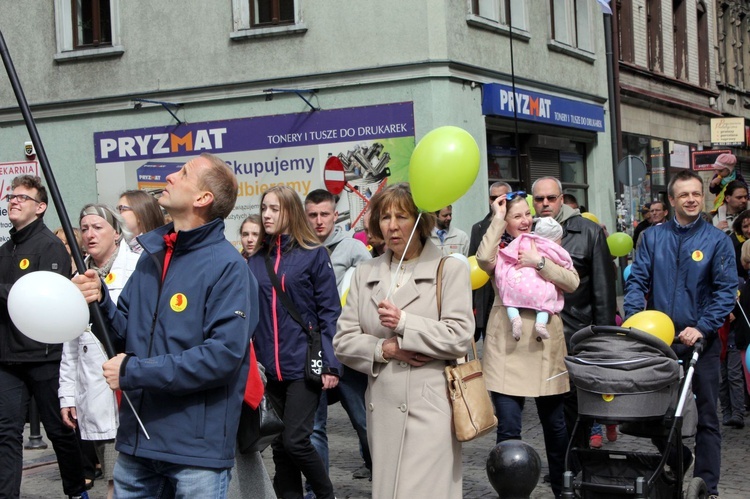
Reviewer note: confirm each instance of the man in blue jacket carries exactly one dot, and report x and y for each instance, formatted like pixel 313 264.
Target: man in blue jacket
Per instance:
pixel 184 321
pixel 685 268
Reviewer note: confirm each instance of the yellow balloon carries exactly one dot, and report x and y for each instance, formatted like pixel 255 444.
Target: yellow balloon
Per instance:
pixel 653 322
pixel 343 297
pixel 530 202
pixel 478 276
pixel 590 216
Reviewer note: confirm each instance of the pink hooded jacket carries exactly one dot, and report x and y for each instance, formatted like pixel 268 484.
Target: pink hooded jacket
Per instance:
pixel 524 287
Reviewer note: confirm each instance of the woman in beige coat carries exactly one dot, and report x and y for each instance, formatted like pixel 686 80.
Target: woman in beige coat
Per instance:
pixel 529 367
pixel 402 344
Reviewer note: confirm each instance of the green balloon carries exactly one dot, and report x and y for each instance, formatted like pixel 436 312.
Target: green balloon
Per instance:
pixel 443 167
pixel 620 244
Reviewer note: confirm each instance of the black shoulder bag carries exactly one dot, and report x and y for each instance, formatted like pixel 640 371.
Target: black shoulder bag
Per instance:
pixel 314 361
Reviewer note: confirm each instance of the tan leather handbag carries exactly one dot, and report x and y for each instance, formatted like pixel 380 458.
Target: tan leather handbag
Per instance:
pixel 473 413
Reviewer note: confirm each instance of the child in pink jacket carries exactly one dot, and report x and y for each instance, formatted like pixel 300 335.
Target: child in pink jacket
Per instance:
pixel 523 287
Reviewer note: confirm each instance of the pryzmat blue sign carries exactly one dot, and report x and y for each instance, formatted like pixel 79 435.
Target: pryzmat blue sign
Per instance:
pixel 497 100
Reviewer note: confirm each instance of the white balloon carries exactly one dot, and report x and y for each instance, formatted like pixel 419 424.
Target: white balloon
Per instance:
pixel 48 307
pixel 460 256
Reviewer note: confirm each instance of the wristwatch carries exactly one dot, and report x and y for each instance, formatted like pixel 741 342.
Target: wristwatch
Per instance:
pixel 540 265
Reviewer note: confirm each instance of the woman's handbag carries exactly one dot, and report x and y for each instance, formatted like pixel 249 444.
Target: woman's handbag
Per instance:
pixel 473 414
pixel 258 427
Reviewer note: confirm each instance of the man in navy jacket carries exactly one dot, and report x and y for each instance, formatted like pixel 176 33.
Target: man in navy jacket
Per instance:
pixel 184 321
pixel 685 268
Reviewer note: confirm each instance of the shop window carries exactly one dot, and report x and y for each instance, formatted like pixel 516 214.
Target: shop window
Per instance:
pixel 87 28
pixel 502 12
pixel 704 70
pixel 502 158
pixel 567 163
pixel 654 36
pixel 625 23
pixel 679 24
pixel 253 18
pixel 571 24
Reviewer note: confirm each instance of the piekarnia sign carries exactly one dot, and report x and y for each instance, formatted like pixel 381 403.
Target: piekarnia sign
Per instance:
pixel 500 100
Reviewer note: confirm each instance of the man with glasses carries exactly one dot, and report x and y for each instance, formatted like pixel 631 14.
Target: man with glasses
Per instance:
pixel 595 299
pixel 484 296
pixel 27 367
pixel 735 202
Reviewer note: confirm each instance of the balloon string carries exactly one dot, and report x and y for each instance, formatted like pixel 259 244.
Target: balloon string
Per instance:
pixel 127 399
pixel 395 272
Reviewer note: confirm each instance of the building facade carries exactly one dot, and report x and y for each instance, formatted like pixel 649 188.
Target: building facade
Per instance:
pixel 123 90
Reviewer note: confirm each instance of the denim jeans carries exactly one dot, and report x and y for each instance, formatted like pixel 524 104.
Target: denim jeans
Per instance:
pixel 352 387
pixel 319 437
pixel 137 477
pixel 18 382
pixel 509 411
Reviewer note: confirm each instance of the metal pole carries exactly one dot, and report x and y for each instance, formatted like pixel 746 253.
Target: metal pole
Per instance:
pixel 96 314
pixel 611 90
pixel 35 429
pixel 99 327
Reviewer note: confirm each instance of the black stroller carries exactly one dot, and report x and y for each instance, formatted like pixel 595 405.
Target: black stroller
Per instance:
pixel 628 377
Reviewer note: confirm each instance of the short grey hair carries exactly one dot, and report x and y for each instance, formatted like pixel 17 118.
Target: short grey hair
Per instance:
pixel 557 181
pixel 498 184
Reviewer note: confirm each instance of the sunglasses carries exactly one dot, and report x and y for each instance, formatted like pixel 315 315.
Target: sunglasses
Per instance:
pixel 550 199
pixel 512 195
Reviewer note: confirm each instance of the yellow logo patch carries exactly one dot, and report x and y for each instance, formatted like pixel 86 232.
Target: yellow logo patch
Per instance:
pixel 608 397
pixel 109 279
pixel 24 264
pixel 697 255
pixel 178 302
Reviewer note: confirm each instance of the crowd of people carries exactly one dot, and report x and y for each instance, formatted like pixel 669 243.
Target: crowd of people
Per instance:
pixel 182 307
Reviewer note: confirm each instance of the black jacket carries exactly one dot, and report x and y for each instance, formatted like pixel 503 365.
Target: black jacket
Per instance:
pixel 483 297
pixel 594 302
pixel 32 248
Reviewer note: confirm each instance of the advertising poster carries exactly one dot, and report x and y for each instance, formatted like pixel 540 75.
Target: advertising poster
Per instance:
pixel 9 171
pixel 352 152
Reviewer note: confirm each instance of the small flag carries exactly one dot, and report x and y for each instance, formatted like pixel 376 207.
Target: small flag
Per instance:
pixel 604 4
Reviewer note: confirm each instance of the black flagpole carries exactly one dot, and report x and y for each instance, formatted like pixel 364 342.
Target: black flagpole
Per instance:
pixel 96 314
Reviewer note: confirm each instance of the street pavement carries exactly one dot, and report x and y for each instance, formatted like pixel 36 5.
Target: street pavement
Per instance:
pixel 41 479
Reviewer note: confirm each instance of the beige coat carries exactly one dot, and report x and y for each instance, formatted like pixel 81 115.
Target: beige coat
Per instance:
pixel 525 368
pixel 414 453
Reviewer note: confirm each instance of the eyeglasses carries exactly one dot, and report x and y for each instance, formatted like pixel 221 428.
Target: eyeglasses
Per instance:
pixel 511 195
pixel 550 199
pixel 21 198
pixel 123 207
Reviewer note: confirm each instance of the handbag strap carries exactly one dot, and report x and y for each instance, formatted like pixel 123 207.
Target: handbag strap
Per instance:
pixel 439 291
pixel 285 300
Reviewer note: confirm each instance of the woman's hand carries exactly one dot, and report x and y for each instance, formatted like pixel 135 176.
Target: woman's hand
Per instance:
pixel 90 285
pixel 69 417
pixel 499 207
pixel 392 350
pixel 716 180
pixel 329 381
pixel 389 314
pixel 529 257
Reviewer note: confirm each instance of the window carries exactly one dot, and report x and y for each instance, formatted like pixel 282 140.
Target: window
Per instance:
pixel 501 12
pixel 571 24
pixel 93 25
pixel 679 25
pixel 87 28
pixel 625 23
pixel 653 34
pixel 704 70
pixel 258 18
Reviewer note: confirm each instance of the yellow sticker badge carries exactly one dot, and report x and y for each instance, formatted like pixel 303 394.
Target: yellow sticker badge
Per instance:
pixel 178 302
pixel 24 264
pixel 697 255
pixel 608 397
pixel 109 279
